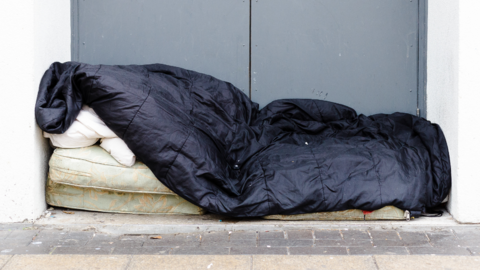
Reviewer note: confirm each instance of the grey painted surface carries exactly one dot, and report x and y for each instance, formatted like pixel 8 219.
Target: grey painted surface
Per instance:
pixel 209 36
pixel 361 53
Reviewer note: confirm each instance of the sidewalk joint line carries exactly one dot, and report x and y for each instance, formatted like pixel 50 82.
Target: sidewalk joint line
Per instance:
pixel 455 234
pixel 129 262
pixel 369 234
pixel 8 261
pixel 314 239
pixel 375 262
pixel 428 238
pixel 398 234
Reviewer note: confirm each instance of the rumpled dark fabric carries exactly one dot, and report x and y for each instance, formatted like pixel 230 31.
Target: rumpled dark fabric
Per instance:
pixel 209 143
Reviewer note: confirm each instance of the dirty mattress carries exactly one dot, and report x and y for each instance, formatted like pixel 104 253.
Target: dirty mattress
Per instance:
pixel 90 178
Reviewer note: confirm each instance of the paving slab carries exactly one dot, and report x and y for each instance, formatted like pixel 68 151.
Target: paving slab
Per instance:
pixel 414 239
pixel 17 226
pixel 377 250
pixel 328 235
pixel 190 262
pixel 81 236
pixel 388 243
pixel 57 243
pixel 200 250
pixel 162 241
pixel 21 234
pixel 261 262
pixel 65 262
pixel 50 235
pixel 427 262
pixel 99 240
pixel 271 235
pixel 215 239
pixel 243 243
pixel 189 239
pixel 468 237
pixel 83 250
pixel 318 251
pixel 384 235
pixel 258 250
pixel 4 259
pixel 444 250
pixel 300 235
pixel 284 243
pixel 443 239
pixel 343 243
pixel 475 251
pixel 215 236
pixel 232 243
pixel 114 243
pixel 243 235
pixel 7 243
pixel 357 235
pixel 4 234
pixel 141 250
pixel 29 250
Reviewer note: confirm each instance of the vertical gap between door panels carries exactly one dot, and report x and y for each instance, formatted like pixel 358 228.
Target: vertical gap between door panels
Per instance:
pixel 250 51
pixel 418 56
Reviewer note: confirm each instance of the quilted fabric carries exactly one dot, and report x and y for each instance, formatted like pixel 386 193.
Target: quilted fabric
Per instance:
pixel 89 178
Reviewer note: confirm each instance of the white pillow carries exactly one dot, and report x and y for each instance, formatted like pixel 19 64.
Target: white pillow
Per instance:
pixel 86 130
pixel 92 121
pixel 76 136
pixel 119 150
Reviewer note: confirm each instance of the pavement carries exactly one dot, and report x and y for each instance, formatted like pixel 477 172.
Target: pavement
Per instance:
pixel 89 240
pixel 271 262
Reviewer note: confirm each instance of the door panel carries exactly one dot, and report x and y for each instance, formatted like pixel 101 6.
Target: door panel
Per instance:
pixel 361 53
pixel 209 36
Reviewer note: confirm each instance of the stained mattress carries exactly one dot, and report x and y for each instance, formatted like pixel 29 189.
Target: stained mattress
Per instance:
pixel 89 178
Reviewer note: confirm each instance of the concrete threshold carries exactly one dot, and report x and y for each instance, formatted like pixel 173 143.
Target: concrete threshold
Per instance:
pixel 116 223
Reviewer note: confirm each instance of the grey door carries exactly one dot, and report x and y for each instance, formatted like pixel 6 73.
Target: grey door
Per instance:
pixel 209 36
pixel 361 53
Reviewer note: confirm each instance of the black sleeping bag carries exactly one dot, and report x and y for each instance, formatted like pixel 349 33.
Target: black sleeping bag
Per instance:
pixel 209 143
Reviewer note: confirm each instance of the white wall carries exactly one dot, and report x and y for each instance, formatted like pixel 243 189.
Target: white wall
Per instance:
pixel 453 95
pixel 34 34
pixel 468 184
